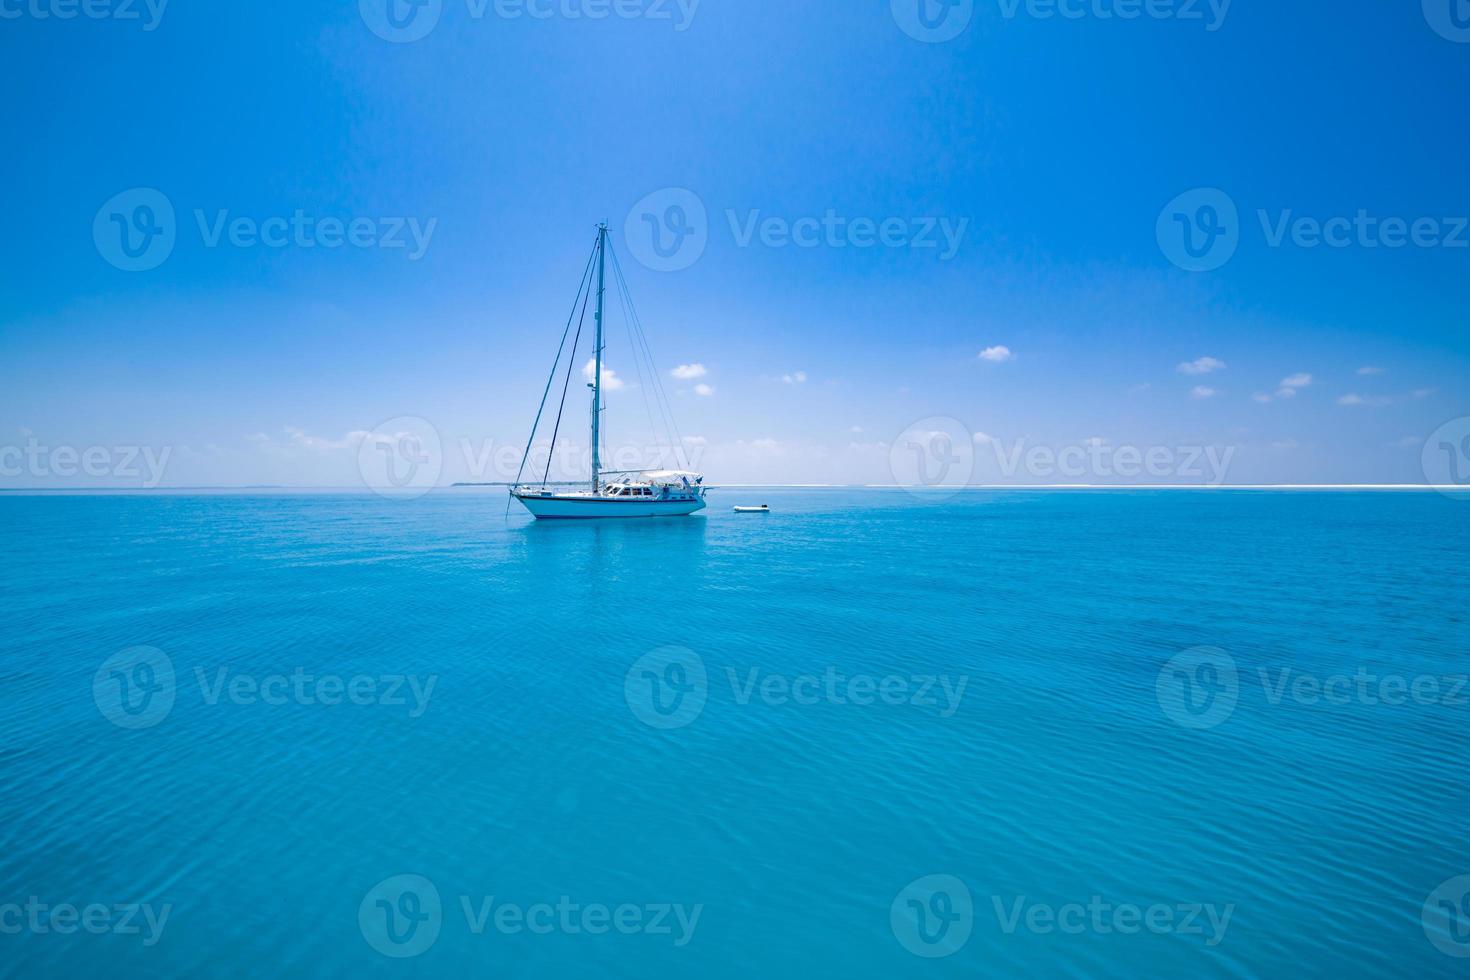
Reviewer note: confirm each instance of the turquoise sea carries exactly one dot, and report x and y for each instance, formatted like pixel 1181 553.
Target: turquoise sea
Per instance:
pixel 873 734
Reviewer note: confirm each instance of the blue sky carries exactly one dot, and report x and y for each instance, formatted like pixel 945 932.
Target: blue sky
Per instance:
pixel 1058 154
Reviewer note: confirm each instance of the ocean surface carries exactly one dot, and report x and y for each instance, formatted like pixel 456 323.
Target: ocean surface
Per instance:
pixel 873 734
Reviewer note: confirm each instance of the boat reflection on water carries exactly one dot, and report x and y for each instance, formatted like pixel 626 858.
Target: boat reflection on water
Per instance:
pixel 657 557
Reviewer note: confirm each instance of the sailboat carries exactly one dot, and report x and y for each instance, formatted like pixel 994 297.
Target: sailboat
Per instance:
pixel 609 494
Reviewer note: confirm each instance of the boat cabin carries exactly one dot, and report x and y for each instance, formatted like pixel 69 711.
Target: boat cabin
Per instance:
pixel 659 485
pixel 629 490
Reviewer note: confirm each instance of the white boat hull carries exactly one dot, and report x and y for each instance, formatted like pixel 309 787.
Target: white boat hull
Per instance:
pixel 588 507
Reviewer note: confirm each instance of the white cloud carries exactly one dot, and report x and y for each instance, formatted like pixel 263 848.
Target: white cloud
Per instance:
pixel 300 439
pixel 794 378
pixel 998 354
pixel 983 439
pixel 1424 392
pixel 688 372
pixel 696 442
pixel 1202 365
pixel 1408 441
pixel 703 390
pixel 1369 400
pixel 610 379
pixel 300 443
pixel 1369 370
pixel 1202 391
pixel 1290 386
pixel 856 429
pixel 761 447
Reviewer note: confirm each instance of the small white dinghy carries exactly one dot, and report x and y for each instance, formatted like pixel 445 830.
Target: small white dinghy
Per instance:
pixel 762 509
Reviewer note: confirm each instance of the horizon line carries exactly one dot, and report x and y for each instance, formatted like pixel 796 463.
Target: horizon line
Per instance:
pixel 917 488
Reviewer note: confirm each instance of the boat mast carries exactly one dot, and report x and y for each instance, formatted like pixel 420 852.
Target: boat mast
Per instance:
pixel 597 357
